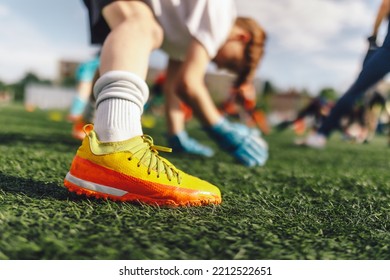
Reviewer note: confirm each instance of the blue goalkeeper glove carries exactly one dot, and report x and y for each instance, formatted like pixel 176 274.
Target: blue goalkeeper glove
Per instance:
pixel 244 143
pixel 182 143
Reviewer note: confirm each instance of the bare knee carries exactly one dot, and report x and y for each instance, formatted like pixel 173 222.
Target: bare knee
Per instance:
pixel 136 17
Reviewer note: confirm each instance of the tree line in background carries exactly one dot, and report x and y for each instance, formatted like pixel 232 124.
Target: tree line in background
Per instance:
pixel 269 90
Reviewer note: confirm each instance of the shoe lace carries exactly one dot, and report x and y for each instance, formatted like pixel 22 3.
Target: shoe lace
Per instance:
pixel 149 156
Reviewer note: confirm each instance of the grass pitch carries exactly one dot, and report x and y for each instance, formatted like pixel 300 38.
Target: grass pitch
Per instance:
pixel 304 204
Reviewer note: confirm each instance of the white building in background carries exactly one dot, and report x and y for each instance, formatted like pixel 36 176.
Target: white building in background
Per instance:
pixel 48 97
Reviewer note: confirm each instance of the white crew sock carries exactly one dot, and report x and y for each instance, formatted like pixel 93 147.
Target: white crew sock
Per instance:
pixel 117 120
pixel 120 97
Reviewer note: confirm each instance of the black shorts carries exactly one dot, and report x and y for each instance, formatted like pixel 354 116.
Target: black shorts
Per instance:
pixel 98 26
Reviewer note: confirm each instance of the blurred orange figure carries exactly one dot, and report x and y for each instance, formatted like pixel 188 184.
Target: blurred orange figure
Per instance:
pixel 242 103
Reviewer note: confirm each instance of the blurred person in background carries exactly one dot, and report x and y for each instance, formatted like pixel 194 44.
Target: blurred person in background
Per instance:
pixel 241 103
pixel 84 78
pixel 116 160
pixel 317 109
pixel 82 108
pixel 361 125
pixel 375 67
pixel 178 112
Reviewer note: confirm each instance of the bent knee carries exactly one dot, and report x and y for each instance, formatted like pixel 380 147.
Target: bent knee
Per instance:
pixel 135 16
pixel 158 35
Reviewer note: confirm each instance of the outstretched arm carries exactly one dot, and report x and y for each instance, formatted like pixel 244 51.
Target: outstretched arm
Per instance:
pixel 383 11
pixel 191 87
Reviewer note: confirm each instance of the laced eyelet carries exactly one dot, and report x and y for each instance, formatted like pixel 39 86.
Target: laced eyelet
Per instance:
pixel 148 154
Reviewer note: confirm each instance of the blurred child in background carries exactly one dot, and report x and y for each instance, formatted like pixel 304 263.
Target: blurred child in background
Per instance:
pixel 376 66
pixel 84 77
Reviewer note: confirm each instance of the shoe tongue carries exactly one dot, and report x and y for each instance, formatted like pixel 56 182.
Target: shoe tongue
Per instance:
pixel 103 148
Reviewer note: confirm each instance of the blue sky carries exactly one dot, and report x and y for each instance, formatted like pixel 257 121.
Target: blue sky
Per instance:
pixel 312 43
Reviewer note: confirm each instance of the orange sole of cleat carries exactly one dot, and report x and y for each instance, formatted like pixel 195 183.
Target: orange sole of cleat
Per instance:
pixel 128 197
pixel 135 189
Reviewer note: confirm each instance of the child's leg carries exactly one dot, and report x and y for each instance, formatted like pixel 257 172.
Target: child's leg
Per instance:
pixel 175 116
pixel 178 139
pixel 121 91
pixel 114 160
pixel 373 71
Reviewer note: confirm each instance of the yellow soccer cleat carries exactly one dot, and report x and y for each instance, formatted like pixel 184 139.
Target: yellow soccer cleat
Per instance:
pixel 132 170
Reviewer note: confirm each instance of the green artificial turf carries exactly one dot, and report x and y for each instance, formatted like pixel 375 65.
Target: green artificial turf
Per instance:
pixel 304 204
